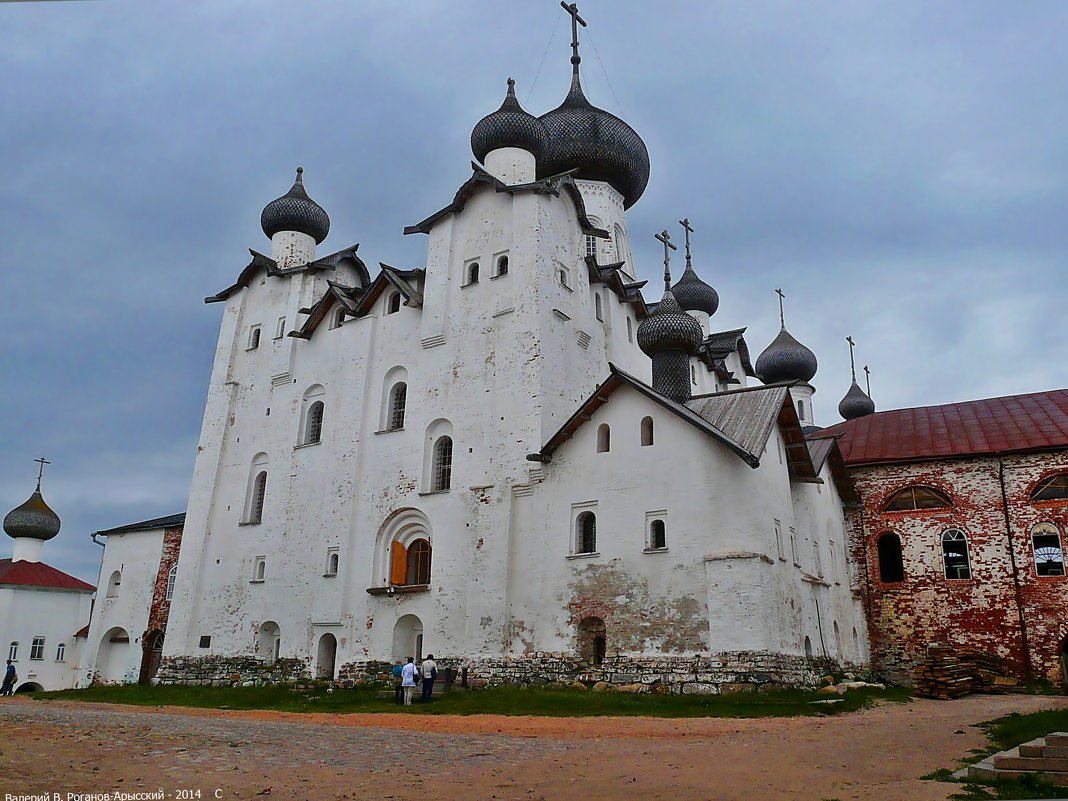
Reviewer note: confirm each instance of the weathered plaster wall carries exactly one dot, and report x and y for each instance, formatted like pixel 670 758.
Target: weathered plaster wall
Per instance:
pixel 28 612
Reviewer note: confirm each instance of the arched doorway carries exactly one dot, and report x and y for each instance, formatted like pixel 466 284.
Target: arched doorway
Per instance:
pixel 114 658
pixel 269 642
pixel 152 653
pixel 408 639
pixel 29 687
pixel 593 640
pixel 324 664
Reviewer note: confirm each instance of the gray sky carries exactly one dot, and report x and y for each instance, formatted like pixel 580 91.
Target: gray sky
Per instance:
pixel 898 168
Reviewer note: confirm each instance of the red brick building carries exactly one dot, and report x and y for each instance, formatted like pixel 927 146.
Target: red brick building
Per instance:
pixel 959 537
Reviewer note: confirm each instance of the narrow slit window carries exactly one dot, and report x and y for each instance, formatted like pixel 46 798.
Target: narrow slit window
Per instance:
pixel 647 431
pixel 259 495
pixel 442 464
pixel 315 423
pixel 597 310
pixel 604 438
pixel 172 576
pixel 397 404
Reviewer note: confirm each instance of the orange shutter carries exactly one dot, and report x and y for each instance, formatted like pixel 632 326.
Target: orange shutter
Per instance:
pixel 398 564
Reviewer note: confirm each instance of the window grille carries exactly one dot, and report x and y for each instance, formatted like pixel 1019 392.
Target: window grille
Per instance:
pixel 315 423
pixel 587 533
pixel 442 464
pixel 397 405
pixel 259 494
pixel 502 265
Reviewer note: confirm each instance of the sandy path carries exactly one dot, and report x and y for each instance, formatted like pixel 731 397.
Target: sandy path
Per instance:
pixel 876 753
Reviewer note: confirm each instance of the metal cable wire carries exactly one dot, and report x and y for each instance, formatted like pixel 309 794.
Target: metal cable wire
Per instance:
pixel 612 89
pixel 543 55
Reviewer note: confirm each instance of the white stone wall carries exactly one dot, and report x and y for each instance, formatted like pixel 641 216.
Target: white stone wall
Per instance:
pixel 122 612
pixel 28 612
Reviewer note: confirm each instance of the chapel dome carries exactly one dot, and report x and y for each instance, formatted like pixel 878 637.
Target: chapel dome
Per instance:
pixel 509 126
pixel 856 403
pixel 295 211
pixel 32 519
pixel 669 328
pixel 693 294
pixel 786 359
pixel 599 145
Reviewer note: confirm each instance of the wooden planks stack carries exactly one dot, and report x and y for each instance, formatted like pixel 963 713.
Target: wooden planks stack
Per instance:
pixel 948 672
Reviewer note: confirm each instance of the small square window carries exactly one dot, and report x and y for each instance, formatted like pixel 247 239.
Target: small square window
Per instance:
pixel 205 641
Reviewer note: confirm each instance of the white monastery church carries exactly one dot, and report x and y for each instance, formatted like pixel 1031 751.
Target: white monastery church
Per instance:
pixel 517 457
pixel 510 453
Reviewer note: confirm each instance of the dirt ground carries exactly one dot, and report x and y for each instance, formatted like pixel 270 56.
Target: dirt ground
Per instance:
pixel 66 747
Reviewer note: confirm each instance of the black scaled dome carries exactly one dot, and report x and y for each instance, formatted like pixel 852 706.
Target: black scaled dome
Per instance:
pixel 509 126
pixel 599 145
pixel 295 211
pixel 669 328
pixel 786 359
pixel 33 519
pixel 693 294
pixel 856 403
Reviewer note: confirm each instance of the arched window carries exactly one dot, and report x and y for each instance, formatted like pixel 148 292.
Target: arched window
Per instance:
pixel 472 273
pixel 259 494
pixel 808 647
pixel 891 566
pixel 254 338
pixel 647 431
pixel 398 401
pixel 113 584
pixel 13 652
pixel 442 464
pixel 1053 488
pixel 394 303
pixel 604 438
pixel 333 563
pixel 657 534
pixel 502 265
pixel 586 533
pixel 801 409
pixel 314 429
pixel 955 554
pixel 417 563
pixel 598 312
pixel 172 574
pixel 1046 543
pixel 916 498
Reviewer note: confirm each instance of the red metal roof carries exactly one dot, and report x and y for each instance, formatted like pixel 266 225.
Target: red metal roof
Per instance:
pixel 1034 422
pixel 38 574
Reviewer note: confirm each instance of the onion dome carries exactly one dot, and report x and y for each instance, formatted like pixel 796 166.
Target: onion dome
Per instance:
pixel 669 328
pixel 33 519
pixel 295 211
pixel 599 145
pixel 786 359
pixel 509 126
pixel 693 294
pixel 856 403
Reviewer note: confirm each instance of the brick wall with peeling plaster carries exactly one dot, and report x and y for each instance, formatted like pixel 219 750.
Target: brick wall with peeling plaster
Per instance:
pixel 980 612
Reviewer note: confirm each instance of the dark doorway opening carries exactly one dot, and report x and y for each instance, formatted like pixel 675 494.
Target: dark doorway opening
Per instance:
pixel 593 640
pixel 151 656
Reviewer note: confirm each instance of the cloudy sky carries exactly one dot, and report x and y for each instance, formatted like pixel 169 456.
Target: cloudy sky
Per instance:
pixel 899 169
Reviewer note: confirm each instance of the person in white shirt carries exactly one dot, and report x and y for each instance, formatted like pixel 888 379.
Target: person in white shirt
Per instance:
pixel 408 681
pixel 429 669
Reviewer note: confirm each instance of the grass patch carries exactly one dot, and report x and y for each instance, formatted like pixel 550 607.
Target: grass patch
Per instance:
pixel 493 701
pixel 1002 734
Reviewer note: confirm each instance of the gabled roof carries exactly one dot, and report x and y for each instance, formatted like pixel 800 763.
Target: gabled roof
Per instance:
pixel 38 574
pixel 741 419
pixel 404 281
pixel 611 276
pixel 170 521
pixel 1011 424
pixel 826 450
pixel 347 297
pixel 261 262
pixel 553 185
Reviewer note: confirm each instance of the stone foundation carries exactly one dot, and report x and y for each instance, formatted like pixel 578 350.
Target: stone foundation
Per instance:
pixel 741 671
pixel 230 671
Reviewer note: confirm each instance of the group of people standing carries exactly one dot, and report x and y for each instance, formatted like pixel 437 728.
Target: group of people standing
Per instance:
pixel 408 675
